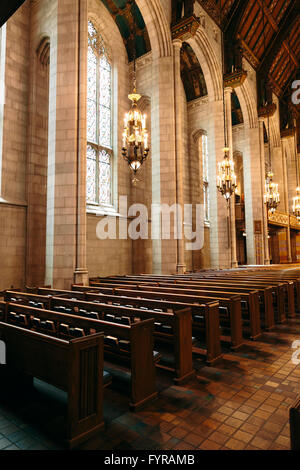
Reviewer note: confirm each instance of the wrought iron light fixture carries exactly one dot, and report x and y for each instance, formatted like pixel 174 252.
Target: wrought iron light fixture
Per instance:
pixel 226 179
pixel 271 196
pixel 296 204
pixel 135 148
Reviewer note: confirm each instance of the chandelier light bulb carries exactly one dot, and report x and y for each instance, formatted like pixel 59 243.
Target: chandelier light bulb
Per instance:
pixel 135 147
pixel 296 204
pixel 226 178
pixel 271 196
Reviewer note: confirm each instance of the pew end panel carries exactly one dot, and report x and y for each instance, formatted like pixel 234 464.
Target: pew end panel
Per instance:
pixel 75 367
pixel 295 425
pixel 143 373
pixel 183 347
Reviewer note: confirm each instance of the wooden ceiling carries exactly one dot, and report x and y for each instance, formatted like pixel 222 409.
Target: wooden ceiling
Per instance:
pixel 128 18
pixel 269 32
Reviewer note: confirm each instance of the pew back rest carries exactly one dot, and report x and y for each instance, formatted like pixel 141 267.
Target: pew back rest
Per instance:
pixel 48 358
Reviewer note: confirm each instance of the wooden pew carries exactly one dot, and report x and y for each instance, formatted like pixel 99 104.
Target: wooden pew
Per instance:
pixel 175 329
pixel 252 322
pixel 295 425
pixel 138 357
pixel 33 300
pixel 231 307
pixel 75 366
pixel 261 303
pixel 279 292
pixel 67 294
pixel 205 317
pixel 259 299
pixel 266 299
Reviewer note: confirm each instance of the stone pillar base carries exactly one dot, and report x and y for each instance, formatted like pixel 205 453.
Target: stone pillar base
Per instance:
pixel 181 268
pixel 267 262
pixel 81 276
pixel 234 264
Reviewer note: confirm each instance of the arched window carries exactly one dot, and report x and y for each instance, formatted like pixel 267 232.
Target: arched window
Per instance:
pixel 205 177
pixel 99 121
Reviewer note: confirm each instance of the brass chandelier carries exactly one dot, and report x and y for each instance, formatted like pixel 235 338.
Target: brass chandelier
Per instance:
pixel 135 148
pixel 271 196
pixel 226 178
pixel 296 204
pixel 296 199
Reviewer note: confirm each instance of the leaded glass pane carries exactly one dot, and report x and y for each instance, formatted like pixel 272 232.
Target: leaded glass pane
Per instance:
pixel 99 131
pixel 92 75
pixel 91 121
pixel 92 33
pixel 104 178
pixel 91 174
pixel 104 63
pixel 205 157
pixel 105 127
pixel 105 86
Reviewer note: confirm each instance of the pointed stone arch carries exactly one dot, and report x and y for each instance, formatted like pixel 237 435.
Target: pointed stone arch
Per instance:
pixel 209 64
pixel 157 26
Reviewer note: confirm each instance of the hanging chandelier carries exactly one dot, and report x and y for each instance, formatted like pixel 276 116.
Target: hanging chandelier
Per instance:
pixel 296 204
pixel 226 179
pixel 271 196
pixel 135 148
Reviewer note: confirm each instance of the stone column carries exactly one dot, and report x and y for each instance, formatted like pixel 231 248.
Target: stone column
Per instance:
pixel 164 251
pixel 264 208
pixel 177 43
pixel 81 273
pixel 228 92
pixel 66 170
pixel 286 204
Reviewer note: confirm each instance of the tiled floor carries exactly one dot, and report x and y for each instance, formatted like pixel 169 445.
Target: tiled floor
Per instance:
pixel 242 403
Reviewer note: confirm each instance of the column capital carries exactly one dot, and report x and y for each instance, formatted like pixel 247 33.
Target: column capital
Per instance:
pixel 177 43
pixel 228 90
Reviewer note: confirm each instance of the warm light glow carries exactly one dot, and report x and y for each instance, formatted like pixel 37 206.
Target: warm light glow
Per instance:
pixel 296 204
pixel 226 179
pixel 135 147
pixel 271 196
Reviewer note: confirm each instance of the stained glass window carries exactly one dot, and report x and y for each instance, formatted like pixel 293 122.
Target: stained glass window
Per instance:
pixel 205 177
pixel 99 120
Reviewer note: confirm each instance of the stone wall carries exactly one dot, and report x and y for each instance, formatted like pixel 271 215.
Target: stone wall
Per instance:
pixel 13 207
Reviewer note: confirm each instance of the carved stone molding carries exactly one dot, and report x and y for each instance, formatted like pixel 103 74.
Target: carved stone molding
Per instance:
pixel 185 29
pixel 198 102
pixel 267 111
pixel 43 51
pixel 287 132
pixel 235 79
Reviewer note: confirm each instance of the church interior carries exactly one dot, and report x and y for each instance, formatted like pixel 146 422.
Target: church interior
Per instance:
pixel 150 225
